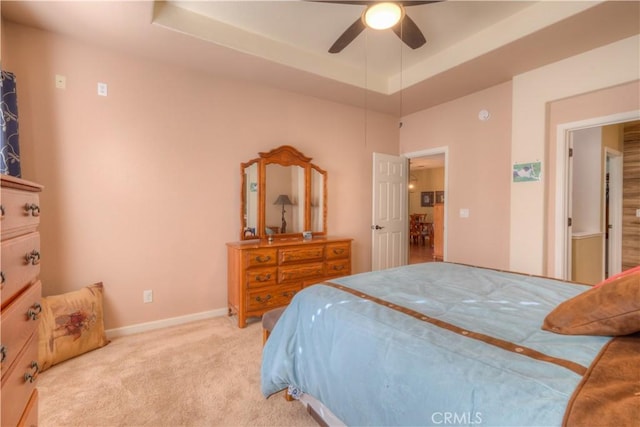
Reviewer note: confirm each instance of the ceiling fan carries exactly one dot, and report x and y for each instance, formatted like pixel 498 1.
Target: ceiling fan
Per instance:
pixel 404 26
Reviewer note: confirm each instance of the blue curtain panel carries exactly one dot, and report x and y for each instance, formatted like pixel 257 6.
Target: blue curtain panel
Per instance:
pixel 9 145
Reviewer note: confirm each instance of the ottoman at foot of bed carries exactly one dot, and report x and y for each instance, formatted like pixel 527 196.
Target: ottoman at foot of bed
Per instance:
pixel 269 320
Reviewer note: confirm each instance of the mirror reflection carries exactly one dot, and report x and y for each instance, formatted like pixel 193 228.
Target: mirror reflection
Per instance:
pixel 283 213
pixel 283 194
pixel 250 197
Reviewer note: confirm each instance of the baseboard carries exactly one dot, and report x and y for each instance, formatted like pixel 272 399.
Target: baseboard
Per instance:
pixel 158 324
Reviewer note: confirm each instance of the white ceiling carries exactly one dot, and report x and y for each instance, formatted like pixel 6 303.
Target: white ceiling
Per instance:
pixel 471 45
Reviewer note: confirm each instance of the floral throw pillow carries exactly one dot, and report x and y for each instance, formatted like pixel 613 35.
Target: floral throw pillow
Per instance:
pixel 70 324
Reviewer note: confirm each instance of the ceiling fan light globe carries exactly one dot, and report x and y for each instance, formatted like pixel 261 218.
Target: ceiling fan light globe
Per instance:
pixel 381 16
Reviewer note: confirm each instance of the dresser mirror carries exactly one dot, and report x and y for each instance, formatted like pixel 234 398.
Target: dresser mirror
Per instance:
pixel 283 194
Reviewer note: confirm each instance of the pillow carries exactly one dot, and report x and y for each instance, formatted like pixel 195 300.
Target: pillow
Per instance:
pixel 619 275
pixel 70 324
pixel 613 309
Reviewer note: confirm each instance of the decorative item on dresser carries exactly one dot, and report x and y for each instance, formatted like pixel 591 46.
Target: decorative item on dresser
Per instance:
pixel 21 294
pixel 266 272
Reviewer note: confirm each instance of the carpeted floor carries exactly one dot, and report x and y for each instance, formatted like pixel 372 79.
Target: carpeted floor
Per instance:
pixel 205 373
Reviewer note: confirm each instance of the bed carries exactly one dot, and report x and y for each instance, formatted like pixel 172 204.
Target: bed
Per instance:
pixel 451 344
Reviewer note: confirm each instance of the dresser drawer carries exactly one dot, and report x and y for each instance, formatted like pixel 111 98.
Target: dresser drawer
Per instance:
pixel 300 254
pixel 338 250
pixel 20 263
pixel 339 267
pixel 300 272
pixel 18 384
pixel 268 298
pixel 261 257
pixel 19 322
pixel 20 212
pixel 258 277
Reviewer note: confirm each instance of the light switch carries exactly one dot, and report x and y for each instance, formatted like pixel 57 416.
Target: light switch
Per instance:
pixel 102 89
pixel 464 213
pixel 61 81
pixel 638 213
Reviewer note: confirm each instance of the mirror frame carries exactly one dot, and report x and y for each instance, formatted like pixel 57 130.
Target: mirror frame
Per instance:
pixel 284 155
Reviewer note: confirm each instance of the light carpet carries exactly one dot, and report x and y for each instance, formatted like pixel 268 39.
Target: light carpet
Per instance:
pixel 205 373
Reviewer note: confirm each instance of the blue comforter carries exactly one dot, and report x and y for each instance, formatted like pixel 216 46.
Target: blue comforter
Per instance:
pixel 372 364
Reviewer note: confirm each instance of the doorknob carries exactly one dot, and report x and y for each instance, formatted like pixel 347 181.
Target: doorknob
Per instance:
pixel 376 227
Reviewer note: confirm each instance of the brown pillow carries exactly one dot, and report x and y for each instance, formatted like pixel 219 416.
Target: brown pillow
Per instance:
pixel 612 309
pixel 71 324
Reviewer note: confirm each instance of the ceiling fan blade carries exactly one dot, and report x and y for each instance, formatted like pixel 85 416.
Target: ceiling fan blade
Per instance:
pixel 409 33
pixel 371 2
pixel 348 36
pixel 416 3
pixel 356 2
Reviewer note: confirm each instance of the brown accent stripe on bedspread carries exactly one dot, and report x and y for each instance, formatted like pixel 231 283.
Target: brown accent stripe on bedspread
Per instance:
pixel 506 345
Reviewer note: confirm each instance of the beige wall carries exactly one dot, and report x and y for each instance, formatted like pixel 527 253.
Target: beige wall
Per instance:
pixel 586 262
pixel 600 103
pixel 142 187
pixel 478 171
pixel 533 92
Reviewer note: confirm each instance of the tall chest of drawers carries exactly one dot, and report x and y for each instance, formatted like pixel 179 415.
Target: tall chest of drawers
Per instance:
pixel 20 293
pixel 262 276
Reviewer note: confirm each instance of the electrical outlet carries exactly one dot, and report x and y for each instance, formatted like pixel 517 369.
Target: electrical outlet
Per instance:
pixel 147 296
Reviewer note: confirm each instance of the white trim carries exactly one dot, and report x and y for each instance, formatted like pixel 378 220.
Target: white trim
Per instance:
pixel 164 323
pixel 562 141
pixel 614 248
pixel 433 152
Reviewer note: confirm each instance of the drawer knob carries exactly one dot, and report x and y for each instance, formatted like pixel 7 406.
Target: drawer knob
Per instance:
pixel 261 258
pixel 2 278
pixel 338 251
pixel 265 278
pixel 31 376
pixel 290 294
pixel 2 210
pixel 265 299
pixel 32 209
pixel 338 267
pixel 3 354
pixel 33 257
pixel 34 311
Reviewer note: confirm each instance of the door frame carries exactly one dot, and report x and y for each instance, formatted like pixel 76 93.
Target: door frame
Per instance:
pixel 613 245
pixel 443 150
pixel 562 242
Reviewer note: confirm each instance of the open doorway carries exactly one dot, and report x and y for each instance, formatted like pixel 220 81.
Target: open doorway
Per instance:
pixel 591 240
pixel 426 205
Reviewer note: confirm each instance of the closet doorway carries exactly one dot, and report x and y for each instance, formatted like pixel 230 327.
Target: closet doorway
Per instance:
pixel 426 205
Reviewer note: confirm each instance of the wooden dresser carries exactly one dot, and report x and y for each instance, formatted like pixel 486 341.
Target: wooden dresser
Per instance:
pixel 21 294
pixel 263 275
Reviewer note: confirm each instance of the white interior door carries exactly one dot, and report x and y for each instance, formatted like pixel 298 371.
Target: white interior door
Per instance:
pixel 389 244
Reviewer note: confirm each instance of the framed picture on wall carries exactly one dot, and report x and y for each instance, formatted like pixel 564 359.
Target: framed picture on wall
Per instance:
pixel 439 196
pixel 426 198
